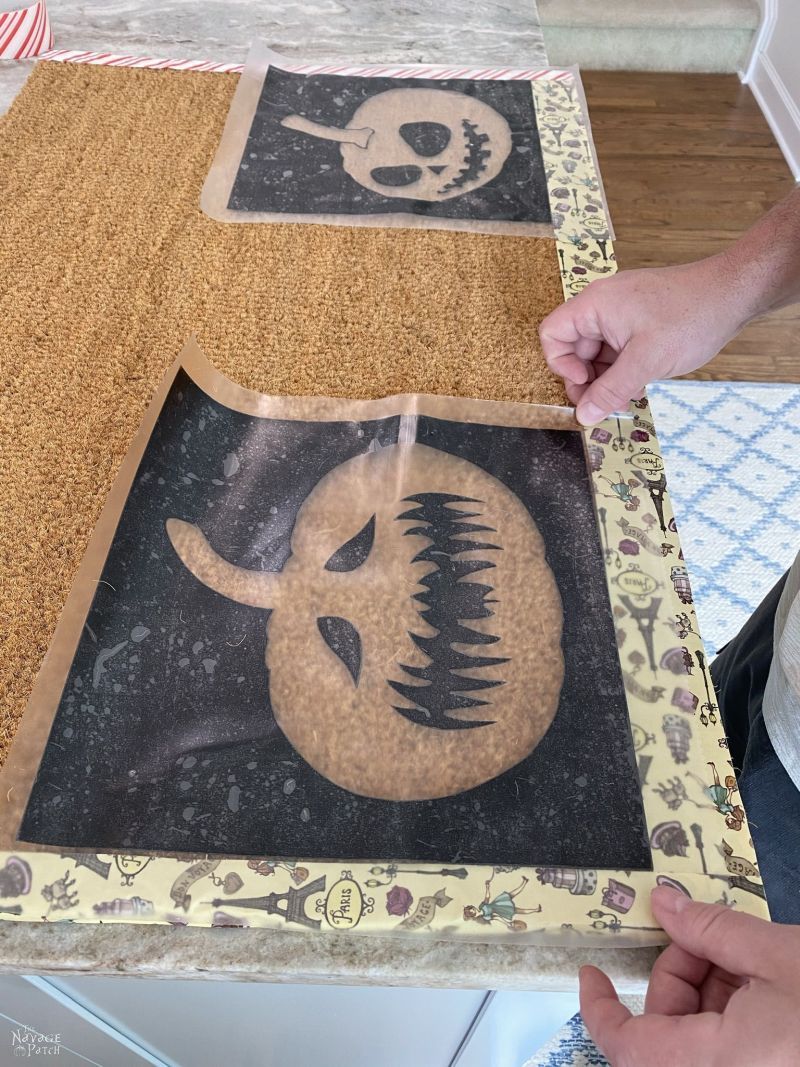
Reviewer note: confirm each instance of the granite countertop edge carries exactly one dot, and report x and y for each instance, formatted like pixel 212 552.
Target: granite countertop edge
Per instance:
pixel 328 959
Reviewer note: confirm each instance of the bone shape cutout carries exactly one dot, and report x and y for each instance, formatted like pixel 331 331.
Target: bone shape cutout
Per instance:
pixel 419 144
pixel 414 638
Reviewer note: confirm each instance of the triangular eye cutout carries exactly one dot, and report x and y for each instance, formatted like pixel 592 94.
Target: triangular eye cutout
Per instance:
pixel 355 551
pixel 343 640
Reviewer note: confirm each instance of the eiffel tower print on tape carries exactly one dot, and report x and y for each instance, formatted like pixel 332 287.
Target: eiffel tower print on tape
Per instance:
pixel 645 617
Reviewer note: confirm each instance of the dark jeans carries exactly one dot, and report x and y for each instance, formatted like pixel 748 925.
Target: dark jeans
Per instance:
pixel 771 799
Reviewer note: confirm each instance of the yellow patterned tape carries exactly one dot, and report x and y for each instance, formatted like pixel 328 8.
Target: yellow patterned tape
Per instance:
pixel 698 833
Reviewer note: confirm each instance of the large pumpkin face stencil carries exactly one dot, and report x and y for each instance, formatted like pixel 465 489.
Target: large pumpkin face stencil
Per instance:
pixel 408 605
pixel 301 622
pixel 424 144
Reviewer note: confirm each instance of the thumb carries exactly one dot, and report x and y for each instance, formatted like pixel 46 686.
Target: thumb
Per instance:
pixel 613 389
pixel 741 944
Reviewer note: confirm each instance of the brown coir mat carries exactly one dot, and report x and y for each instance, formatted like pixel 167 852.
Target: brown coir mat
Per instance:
pixel 107 265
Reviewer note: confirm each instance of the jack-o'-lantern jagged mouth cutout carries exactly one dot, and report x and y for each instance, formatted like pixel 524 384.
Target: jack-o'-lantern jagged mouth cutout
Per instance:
pixel 448 603
pixel 475 158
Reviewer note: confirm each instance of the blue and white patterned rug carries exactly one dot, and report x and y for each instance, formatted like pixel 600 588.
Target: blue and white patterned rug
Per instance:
pixel 570 1047
pixel 733 465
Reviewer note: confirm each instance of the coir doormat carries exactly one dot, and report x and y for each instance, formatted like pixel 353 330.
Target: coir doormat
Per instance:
pixel 108 264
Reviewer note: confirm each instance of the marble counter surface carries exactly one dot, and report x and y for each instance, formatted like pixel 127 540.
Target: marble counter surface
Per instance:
pixel 504 32
pixel 501 32
pixel 319 959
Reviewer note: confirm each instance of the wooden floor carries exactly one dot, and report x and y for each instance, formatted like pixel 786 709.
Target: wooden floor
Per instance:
pixel 688 162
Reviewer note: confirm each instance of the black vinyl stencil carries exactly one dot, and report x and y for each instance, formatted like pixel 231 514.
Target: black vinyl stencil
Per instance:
pixel 469 150
pixel 165 739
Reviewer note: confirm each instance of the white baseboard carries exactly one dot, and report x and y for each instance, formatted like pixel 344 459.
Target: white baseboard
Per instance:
pixel 780 110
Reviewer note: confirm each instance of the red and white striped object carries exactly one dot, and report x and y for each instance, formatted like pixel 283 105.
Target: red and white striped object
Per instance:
pixel 25 32
pixel 109 59
pixel 112 59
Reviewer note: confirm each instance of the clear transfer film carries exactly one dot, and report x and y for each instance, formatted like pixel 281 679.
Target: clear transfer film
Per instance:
pixel 409 146
pixel 402 665
pixel 348 637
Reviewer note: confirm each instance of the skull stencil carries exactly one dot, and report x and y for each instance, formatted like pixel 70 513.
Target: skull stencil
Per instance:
pixel 421 144
pixel 342 149
pixel 413 644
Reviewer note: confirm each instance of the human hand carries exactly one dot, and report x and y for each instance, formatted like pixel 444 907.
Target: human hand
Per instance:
pixel 622 332
pixel 725 992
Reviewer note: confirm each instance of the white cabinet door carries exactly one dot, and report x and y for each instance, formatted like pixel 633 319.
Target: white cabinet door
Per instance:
pixel 36 1028
pixel 514 1026
pixel 211 1023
